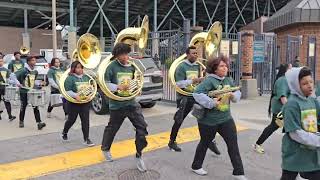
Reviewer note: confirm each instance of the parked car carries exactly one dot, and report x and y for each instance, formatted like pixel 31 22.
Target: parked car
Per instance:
pixel 152 90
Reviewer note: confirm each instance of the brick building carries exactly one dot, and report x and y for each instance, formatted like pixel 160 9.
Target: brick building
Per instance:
pixel 297 26
pixel 12 39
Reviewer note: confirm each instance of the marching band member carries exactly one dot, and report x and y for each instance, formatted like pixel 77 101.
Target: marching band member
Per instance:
pixel 16 64
pixel 279 96
pixel 301 142
pixel 217 117
pixel 187 76
pixel 74 83
pixel 54 74
pixel 26 79
pixel 121 70
pixel 4 78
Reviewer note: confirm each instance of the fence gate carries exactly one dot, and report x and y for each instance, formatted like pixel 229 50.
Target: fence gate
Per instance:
pixel 293 47
pixel 166 46
pixel 265 71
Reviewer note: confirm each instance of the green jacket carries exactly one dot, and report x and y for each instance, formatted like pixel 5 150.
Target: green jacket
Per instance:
pixel 215 114
pixel 26 78
pixel 75 83
pixel 185 73
pixel 4 75
pixel 15 65
pixel 117 74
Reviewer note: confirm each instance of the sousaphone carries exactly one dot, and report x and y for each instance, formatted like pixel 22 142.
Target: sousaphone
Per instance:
pixel 88 53
pixel 131 36
pixel 210 40
pixel 24 50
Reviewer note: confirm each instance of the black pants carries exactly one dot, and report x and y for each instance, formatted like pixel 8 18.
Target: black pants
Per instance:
pixel 290 175
pixel 229 134
pixel 134 113
pixel 7 104
pixel 271 128
pixel 24 103
pixel 185 105
pixel 64 105
pixel 83 111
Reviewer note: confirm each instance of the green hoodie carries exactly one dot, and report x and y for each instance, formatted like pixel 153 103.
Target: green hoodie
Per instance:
pixel 301 115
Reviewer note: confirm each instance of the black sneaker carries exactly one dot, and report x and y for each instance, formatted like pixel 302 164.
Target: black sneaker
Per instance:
pixel 174 147
pixel 41 125
pixel 21 124
pixel 213 147
pixel 88 142
pixel 11 118
pixel 64 137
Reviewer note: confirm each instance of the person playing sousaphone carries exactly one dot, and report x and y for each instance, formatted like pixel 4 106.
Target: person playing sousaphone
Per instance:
pixel 187 76
pixel 118 75
pixel 77 86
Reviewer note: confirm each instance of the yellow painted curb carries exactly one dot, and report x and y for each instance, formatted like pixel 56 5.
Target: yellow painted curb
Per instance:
pixel 88 156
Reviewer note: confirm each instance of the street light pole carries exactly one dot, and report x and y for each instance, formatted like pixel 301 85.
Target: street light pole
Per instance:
pixel 54 31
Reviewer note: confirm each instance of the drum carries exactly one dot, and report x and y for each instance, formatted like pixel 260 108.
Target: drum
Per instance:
pixel 37 97
pixel 11 93
pixel 56 100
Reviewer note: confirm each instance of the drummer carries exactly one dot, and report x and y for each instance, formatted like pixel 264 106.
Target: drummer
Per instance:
pixel 16 64
pixel 4 79
pixel 26 79
pixel 54 75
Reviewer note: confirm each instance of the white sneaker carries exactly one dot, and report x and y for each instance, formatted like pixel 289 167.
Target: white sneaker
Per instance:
pixel 200 172
pixel 48 115
pixel 107 156
pixel 239 177
pixel 140 165
pixel 258 148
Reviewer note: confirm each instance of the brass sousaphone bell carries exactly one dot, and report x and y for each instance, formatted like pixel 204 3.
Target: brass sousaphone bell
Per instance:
pixel 129 36
pixel 24 50
pixel 88 53
pixel 210 40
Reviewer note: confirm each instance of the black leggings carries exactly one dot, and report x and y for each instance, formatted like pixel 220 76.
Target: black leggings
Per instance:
pixel 64 105
pixel 228 132
pixel 117 117
pixel 7 104
pixel 185 105
pixel 24 103
pixel 290 175
pixel 83 111
pixel 271 128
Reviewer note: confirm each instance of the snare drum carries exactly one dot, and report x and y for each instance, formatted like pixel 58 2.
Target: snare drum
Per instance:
pixel 36 97
pixel 56 100
pixel 11 93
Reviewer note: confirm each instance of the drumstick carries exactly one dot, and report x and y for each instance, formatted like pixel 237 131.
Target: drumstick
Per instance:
pixel 23 87
pixel 4 84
